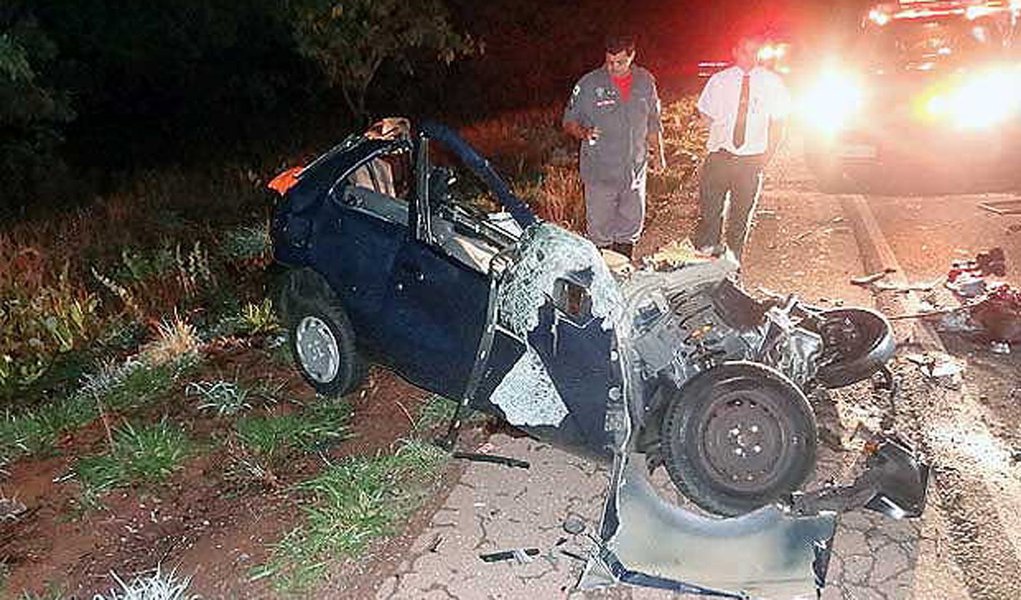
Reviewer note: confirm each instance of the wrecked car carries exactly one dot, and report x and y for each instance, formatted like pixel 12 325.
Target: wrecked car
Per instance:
pixel 389 258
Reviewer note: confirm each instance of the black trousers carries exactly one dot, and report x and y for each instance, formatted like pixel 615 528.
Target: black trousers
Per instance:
pixel 727 176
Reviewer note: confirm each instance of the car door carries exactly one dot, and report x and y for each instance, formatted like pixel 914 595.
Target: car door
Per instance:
pixel 434 317
pixel 361 229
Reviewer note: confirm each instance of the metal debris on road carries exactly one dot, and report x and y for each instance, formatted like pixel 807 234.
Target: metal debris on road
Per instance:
pixel 942 368
pixel 435 544
pixel 522 555
pixel 991 307
pixel 903 289
pixel 871 278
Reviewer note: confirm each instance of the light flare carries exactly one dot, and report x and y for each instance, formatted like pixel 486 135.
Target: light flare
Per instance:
pixel 986 100
pixel 832 101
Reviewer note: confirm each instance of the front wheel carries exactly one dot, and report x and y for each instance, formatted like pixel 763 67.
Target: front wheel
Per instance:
pixel 737 437
pixel 321 337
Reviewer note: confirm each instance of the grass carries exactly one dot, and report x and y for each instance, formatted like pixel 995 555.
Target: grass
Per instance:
pixel 176 340
pixel 255 319
pixel 352 505
pixel 129 386
pixel 434 413
pixel 159 585
pixel 220 397
pixel 146 454
pixel 247 243
pixel 314 427
pixel 251 319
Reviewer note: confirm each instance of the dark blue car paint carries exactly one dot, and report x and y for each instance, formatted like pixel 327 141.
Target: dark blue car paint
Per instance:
pixel 578 361
pixel 435 307
pixel 356 252
pixel 433 318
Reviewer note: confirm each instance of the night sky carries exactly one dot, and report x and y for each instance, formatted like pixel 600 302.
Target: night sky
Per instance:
pixel 143 85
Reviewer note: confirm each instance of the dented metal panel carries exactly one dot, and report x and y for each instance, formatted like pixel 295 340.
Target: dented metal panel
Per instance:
pixel 766 553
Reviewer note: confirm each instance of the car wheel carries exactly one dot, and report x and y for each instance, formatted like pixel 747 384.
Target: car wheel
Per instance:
pixel 857 342
pixel 737 437
pixel 320 335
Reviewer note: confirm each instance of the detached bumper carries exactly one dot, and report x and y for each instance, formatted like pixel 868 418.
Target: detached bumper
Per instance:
pixel 650 542
pixel 894 482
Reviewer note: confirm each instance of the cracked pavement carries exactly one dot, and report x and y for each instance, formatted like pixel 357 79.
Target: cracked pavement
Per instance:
pixel 496 508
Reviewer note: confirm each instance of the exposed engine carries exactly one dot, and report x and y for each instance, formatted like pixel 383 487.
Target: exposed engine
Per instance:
pixel 687 320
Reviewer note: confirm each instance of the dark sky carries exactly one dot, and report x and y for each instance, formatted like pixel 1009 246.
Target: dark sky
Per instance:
pixel 695 30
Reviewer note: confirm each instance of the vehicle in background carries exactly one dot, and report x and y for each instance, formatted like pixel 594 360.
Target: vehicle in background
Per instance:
pixel 924 87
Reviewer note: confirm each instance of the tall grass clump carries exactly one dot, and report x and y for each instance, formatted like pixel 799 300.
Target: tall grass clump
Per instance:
pixel 311 428
pixel 146 454
pixel 351 505
pixel 114 389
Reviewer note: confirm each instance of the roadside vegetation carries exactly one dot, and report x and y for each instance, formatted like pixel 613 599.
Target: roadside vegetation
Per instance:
pixel 138 337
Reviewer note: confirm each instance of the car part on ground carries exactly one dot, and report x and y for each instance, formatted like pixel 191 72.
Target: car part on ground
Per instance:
pixel 892 481
pixel 651 542
pixel 524 320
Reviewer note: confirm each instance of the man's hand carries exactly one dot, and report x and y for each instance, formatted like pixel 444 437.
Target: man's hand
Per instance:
pixel 581 132
pixel 657 159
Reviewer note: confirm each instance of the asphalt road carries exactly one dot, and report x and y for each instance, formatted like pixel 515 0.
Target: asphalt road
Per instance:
pixel 804 242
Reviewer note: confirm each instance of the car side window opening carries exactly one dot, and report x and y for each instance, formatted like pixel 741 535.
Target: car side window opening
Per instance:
pixel 380 186
pixel 462 207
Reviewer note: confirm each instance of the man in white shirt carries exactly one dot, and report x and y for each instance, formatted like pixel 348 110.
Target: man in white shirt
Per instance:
pixel 746 107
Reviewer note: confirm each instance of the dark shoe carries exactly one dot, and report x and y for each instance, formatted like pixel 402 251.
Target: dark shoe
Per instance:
pixel 624 248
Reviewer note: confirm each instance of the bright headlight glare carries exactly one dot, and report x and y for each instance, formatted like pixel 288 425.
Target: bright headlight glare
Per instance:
pixel 986 100
pixel 831 101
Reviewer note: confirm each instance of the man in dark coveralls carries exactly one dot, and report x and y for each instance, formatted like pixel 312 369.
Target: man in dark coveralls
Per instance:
pixel 614 113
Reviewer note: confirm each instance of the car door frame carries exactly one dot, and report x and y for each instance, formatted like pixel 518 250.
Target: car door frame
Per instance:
pixel 435 307
pixel 361 293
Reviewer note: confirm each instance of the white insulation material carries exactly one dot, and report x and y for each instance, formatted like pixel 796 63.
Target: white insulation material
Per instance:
pixel 547 254
pixel 527 395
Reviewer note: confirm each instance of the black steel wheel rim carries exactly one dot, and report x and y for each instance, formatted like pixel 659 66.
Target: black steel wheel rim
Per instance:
pixel 744 441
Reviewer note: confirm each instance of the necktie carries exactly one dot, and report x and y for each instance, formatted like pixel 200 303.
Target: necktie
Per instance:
pixel 742 112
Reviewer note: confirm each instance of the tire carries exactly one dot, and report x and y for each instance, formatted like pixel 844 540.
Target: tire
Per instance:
pixel 320 335
pixel 700 446
pixel 857 342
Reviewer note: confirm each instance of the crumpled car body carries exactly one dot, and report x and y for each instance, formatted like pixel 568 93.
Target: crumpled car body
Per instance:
pixel 386 260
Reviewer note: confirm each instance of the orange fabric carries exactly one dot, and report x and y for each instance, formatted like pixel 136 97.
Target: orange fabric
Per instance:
pixel 285 181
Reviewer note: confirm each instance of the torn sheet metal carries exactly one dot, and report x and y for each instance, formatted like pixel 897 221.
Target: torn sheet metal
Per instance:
pixel 649 541
pixel 549 253
pixel 527 395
